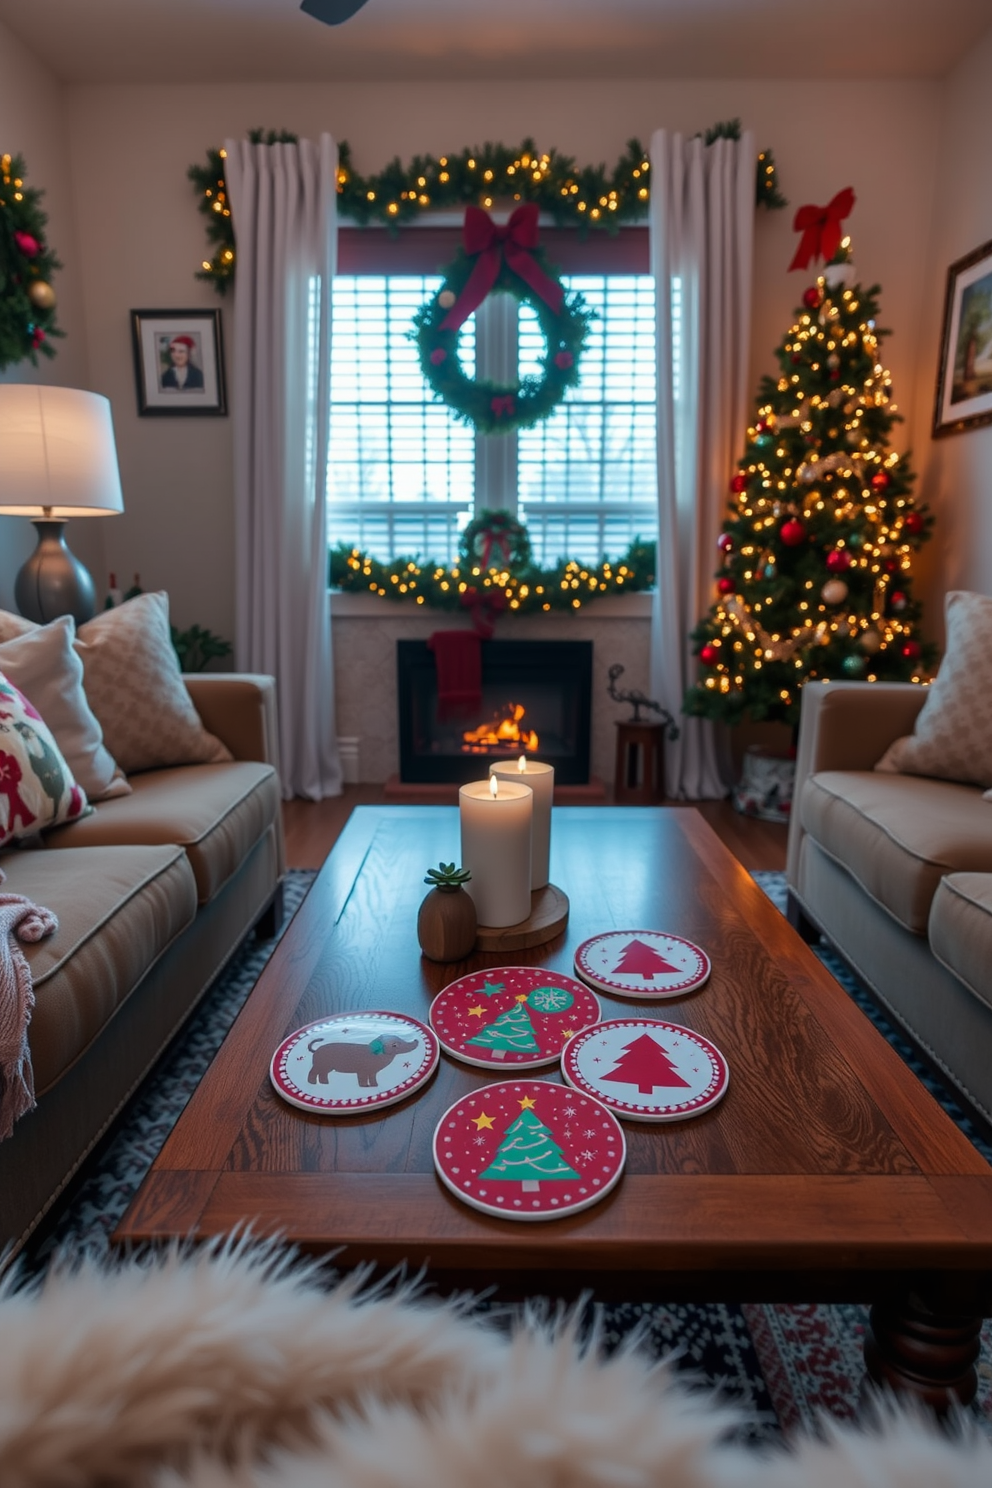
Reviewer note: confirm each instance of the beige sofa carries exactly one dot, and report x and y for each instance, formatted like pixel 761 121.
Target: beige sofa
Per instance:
pixel 154 891
pixel 896 871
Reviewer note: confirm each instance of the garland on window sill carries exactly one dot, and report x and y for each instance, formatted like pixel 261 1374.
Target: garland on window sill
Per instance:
pixel 588 197
pixel 568 585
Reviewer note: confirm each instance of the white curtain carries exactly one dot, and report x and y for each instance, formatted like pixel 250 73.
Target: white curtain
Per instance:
pixel 284 208
pixel 702 230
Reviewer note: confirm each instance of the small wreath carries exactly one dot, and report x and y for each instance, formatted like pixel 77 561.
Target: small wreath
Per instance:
pixel 491 407
pixel 495 539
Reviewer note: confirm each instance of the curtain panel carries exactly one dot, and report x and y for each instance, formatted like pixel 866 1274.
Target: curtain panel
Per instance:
pixel 701 233
pixel 284 207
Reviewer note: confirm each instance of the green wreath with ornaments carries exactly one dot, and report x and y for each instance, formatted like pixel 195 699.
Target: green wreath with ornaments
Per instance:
pixel 493 259
pixel 27 299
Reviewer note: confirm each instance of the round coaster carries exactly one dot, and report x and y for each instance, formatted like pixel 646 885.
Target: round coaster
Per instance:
pixel 526 1149
pixel 646 1070
pixel 511 1016
pixel 354 1062
pixel 642 963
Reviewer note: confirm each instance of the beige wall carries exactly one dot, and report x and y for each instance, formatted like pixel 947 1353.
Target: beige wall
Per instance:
pixel 141 238
pixel 957 469
pixel 33 125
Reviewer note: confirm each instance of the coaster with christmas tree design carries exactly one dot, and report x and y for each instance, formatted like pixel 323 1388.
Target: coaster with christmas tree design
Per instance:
pixel 529 1150
pixel 646 1070
pixel 354 1062
pixel 642 963
pixel 517 1017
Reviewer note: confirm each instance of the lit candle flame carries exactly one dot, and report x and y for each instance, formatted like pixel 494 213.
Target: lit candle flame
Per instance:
pixel 493 787
pixel 522 764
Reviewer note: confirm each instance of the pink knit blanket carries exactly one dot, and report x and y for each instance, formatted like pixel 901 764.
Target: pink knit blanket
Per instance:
pixel 28 922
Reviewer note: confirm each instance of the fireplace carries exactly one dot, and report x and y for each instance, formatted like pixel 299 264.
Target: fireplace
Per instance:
pixel 536 699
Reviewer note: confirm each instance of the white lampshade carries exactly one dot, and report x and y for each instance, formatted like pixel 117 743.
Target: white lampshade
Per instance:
pixel 57 453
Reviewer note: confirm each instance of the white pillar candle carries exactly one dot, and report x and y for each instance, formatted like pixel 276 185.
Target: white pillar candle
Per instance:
pixel 496 828
pixel 541 779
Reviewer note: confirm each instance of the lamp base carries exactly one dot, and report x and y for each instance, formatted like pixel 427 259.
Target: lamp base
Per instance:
pixel 53 582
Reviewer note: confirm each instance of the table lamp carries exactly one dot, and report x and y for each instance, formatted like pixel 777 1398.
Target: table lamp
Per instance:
pixel 57 460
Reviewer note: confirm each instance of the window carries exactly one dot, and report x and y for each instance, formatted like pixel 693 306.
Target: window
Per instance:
pixel 405 477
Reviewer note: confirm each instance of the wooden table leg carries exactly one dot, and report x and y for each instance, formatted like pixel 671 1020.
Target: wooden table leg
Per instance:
pixel 926 1344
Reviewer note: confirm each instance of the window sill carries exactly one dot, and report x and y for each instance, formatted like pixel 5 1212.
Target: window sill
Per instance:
pixel 370 607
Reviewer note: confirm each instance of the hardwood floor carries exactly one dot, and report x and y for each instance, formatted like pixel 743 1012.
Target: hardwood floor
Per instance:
pixel 312 828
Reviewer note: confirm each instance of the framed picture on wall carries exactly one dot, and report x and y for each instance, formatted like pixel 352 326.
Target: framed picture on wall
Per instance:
pixel 964 382
pixel 178 361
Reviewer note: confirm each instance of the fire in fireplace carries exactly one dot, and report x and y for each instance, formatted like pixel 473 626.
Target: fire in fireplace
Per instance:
pixel 502 734
pixel 536 699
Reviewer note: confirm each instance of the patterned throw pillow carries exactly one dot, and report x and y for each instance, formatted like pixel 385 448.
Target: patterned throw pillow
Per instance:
pixel 36 785
pixel 42 664
pixel 952 739
pixel 134 686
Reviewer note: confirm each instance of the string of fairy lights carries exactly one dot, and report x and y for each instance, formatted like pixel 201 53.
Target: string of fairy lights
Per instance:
pixel 590 198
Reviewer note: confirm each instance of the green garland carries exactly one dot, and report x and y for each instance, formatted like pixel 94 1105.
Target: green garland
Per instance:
pixel 567 585
pixel 490 407
pixel 27 300
pixel 587 197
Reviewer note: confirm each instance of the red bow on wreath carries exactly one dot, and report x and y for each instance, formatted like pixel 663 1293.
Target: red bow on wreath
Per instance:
pixel 491 245
pixel 821 230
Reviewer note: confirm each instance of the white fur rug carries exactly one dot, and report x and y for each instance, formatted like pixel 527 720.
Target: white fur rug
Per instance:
pixel 240 1366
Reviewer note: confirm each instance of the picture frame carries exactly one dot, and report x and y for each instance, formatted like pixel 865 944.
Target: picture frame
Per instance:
pixel 964 380
pixel 179 362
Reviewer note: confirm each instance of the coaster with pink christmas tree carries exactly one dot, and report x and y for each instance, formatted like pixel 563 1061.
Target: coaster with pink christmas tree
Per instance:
pixel 646 1070
pixel 642 963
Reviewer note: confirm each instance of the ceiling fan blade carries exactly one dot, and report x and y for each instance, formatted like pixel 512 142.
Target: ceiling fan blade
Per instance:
pixel 331 12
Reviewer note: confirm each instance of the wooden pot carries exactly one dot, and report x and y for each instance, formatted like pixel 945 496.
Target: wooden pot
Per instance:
pixel 446 924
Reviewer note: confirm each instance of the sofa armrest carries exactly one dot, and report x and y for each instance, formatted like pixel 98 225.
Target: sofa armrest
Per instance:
pixel 847 726
pixel 240 708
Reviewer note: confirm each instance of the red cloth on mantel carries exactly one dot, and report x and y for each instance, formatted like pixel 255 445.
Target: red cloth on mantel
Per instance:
pixel 458 658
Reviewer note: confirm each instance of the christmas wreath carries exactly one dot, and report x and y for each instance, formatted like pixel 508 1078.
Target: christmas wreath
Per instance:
pixel 496 258
pixel 27 300
pixel 495 538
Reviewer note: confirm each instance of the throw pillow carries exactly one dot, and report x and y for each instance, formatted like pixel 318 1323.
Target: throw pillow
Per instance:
pixel 952 739
pixel 36 785
pixel 12 625
pixel 134 686
pixel 42 665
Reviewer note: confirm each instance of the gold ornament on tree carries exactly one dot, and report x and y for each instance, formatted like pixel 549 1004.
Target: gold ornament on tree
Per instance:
pixel 41 295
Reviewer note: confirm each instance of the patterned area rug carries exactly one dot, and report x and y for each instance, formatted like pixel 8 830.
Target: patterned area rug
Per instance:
pixel 783 1365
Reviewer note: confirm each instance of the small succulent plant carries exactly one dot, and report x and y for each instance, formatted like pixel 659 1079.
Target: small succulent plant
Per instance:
pixel 447 876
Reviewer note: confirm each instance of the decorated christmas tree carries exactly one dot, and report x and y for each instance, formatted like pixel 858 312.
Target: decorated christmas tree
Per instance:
pixel 528 1153
pixel 645 1064
pixel 512 1030
pixel 815 557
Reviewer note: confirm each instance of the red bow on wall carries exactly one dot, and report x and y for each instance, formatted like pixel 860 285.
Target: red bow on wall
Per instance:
pixel 490 244
pixel 821 229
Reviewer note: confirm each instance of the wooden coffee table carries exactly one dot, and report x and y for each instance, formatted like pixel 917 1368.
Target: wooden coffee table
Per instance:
pixel 826 1173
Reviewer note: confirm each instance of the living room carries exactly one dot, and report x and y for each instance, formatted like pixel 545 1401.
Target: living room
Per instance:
pixel 110 111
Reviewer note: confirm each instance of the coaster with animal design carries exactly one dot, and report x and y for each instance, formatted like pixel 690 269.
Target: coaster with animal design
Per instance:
pixel 511 1017
pixel 646 1070
pixel 641 963
pixel 354 1062
pixel 529 1150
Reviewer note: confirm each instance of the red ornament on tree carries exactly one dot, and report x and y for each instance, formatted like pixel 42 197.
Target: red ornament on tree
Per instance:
pixel 911 650
pixel 838 560
pixel 913 522
pixel 891 565
pixel 563 359
pixel 898 601
pixel 725 585
pixel 881 480
pixel 709 655
pixel 725 542
pixel 792 532
pixel 739 483
pixel 811 299
pixel 439 355
pixel 28 244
